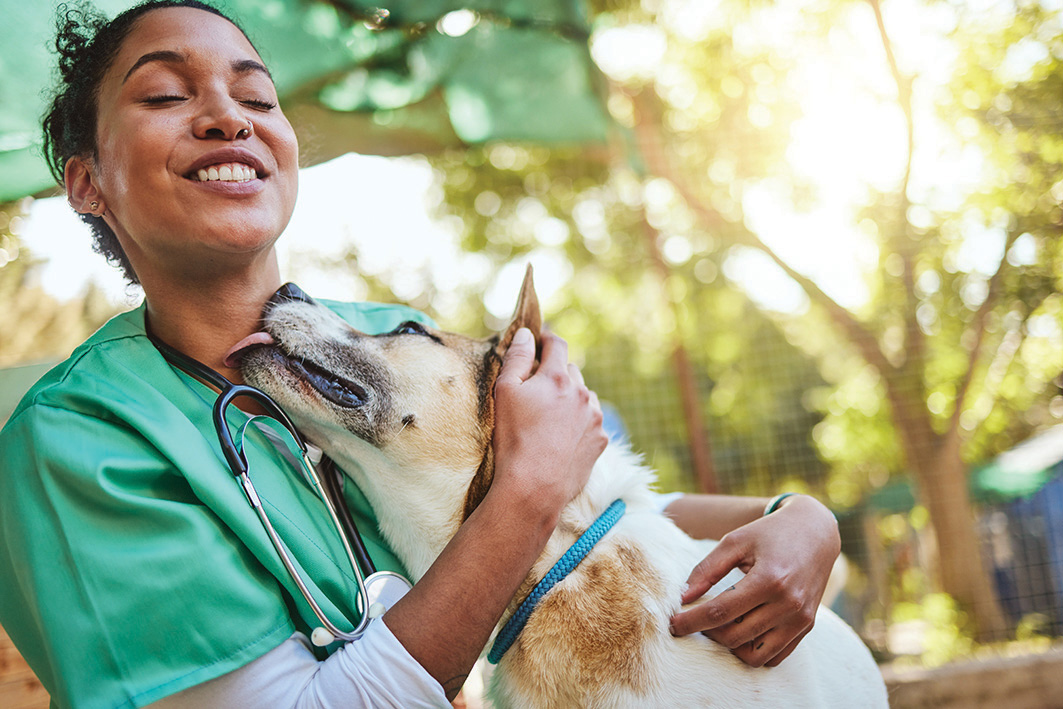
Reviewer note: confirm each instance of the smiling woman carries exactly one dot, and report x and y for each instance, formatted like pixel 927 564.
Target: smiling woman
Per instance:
pixel 134 571
pixel 162 98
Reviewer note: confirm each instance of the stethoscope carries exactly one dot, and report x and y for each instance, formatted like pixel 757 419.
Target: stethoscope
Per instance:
pixel 377 590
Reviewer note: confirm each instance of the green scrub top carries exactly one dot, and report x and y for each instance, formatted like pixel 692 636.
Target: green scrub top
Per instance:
pixel 131 565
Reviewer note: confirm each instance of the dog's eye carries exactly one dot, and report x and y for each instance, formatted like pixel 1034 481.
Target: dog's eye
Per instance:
pixel 410 327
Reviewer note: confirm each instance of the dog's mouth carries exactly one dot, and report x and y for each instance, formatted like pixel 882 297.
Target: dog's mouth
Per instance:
pixel 339 391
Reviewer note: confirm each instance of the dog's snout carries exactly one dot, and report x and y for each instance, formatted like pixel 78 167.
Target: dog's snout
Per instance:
pixel 289 292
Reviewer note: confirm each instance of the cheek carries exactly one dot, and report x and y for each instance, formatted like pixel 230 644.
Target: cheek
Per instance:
pixel 130 158
pixel 445 424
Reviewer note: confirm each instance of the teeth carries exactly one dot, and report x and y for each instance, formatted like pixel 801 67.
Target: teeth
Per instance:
pixel 227 172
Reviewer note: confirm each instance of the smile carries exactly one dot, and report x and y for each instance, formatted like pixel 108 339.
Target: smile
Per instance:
pixel 226 172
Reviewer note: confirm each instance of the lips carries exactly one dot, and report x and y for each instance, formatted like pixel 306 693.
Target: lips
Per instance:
pixel 222 156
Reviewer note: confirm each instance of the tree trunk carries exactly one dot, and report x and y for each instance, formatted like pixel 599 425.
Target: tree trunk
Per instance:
pixel 686 380
pixel 700 447
pixel 964 574
pixel 943 490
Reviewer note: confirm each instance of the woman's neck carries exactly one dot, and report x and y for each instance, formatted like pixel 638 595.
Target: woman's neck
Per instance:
pixel 205 318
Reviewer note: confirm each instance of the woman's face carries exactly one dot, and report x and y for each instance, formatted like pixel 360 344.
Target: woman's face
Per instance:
pixel 197 166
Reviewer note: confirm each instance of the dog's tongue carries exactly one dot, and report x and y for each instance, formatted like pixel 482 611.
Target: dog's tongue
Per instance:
pixel 232 357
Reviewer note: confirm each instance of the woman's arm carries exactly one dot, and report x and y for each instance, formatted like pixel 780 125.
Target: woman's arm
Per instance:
pixel 548 435
pixel 787 557
pixel 713 516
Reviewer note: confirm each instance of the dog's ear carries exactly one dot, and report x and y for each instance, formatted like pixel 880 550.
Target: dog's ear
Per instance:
pixel 526 315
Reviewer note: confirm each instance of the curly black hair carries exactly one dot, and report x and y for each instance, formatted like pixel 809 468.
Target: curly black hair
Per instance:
pixel 87 43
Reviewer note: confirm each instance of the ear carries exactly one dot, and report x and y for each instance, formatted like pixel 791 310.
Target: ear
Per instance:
pixel 526 315
pixel 81 189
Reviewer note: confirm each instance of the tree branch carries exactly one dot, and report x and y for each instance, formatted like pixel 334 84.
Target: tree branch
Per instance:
pixel 978 327
pixel 1004 356
pixel 904 94
pixel 649 146
pixel 915 340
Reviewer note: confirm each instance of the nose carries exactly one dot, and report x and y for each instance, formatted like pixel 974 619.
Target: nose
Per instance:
pixel 289 292
pixel 222 119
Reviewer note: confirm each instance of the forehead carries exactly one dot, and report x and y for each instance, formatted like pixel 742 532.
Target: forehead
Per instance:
pixel 191 32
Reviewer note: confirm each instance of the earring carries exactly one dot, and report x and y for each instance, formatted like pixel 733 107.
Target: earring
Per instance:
pixel 93 206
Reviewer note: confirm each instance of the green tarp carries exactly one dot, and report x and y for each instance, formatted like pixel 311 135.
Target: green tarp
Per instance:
pixel 1016 473
pixel 415 76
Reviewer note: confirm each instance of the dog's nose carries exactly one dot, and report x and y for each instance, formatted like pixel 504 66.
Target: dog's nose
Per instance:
pixel 289 292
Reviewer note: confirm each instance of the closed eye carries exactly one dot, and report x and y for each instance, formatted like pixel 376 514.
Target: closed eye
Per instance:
pixel 410 327
pixel 259 104
pixel 163 99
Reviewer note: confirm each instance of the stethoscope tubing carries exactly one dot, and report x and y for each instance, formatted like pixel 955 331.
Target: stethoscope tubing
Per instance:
pixel 353 545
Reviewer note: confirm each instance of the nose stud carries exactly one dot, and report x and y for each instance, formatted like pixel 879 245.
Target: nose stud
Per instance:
pixel 246 132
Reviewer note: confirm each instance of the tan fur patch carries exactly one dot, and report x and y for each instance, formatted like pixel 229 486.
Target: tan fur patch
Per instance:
pixel 590 631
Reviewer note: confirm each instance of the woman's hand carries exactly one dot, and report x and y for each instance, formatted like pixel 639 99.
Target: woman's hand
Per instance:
pixel 548 425
pixel 787 557
pixel 548 434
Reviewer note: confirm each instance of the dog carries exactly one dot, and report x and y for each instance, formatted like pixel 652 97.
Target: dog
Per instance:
pixel 415 407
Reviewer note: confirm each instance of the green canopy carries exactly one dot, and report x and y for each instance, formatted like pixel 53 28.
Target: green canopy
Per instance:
pixel 354 77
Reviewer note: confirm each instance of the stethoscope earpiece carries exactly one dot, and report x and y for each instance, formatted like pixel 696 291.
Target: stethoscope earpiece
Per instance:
pixel 321 637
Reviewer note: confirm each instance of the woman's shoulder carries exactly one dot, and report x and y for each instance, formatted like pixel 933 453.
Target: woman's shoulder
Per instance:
pixel 99 367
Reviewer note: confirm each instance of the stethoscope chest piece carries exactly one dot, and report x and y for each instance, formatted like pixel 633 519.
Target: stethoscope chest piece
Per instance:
pixel 384 589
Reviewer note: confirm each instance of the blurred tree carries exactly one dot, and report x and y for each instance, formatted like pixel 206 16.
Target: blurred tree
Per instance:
pixel 37 327
pixel 953 355
pixel 962 341
pixel 644 272
pixel 957 349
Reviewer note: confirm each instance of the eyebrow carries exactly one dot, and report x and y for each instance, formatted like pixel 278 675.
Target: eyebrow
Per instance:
pixel 240 66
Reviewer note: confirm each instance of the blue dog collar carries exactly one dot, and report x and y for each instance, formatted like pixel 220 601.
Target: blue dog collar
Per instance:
pixel 564 566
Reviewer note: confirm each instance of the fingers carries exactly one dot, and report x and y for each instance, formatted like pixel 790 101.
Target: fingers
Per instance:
pixel 519 360
pixel 745 630
pixel 720 612
pixel 575 374
pixel 774 662
pixel 555 354
pixel 548 424
pixel 710 570
pixel 769 649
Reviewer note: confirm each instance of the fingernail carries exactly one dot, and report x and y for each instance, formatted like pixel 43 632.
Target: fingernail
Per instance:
pixel 522 336
pixel 671 629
